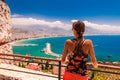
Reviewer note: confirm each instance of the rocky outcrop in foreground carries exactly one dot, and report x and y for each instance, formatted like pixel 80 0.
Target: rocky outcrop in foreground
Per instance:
pixel 5 28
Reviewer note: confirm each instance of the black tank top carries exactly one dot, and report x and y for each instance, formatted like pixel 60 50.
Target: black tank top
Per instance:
pixel 77 61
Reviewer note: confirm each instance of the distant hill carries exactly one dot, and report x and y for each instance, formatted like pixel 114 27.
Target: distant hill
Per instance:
pixel 37 31
pixel 40 29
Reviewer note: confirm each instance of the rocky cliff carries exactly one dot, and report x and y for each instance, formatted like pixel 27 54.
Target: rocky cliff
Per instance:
pixel 5 28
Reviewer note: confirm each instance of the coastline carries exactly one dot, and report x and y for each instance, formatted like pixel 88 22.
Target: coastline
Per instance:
pixel 17 42
pixel 41 46
pixel 41 37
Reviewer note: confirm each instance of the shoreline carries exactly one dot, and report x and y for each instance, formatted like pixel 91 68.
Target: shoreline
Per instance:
pixel 20 40
pixel 25 39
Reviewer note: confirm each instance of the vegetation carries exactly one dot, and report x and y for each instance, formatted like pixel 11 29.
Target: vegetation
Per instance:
pixel 105 76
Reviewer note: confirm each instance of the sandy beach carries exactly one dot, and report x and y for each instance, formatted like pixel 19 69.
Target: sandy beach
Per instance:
pixel 17 42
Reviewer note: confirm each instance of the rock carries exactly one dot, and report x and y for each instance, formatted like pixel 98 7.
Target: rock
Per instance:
pixel 5 29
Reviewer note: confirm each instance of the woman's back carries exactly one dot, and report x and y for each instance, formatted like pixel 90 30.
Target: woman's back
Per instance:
pixel 72 44
pixel 77 58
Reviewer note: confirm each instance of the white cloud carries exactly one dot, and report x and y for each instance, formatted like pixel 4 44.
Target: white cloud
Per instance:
pixel 16 15
pixel 103 27
pixel 73 20
pixel 22 21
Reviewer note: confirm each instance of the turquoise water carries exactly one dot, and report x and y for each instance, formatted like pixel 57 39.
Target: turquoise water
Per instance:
pixel 107 47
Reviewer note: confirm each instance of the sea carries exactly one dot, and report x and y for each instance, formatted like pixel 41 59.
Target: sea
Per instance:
pixel 107 47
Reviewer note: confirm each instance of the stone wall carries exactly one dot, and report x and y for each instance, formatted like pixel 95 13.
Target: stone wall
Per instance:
pixel 5 28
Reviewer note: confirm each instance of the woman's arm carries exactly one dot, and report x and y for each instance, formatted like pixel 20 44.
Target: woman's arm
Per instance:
pixel 92 55
pixel 65 50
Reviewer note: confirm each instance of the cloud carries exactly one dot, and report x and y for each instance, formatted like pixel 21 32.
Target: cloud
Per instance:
pixel 73 20
pixel 103 27
pixel 16 15
pixel 19 20
pixel 22 21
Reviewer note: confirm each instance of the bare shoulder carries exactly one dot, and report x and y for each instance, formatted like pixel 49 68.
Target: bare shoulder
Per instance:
pixel 88 42
pixel 68 41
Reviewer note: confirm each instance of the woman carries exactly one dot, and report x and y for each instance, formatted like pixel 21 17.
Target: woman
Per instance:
pixel 78 50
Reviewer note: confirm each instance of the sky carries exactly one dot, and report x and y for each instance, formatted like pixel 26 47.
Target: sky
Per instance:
pixel 102 15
